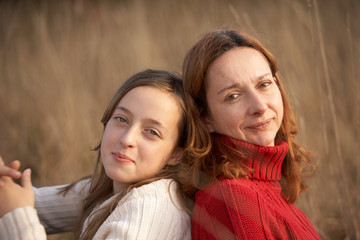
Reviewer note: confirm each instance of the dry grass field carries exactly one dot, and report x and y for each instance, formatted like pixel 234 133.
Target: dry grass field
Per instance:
pixel 61 62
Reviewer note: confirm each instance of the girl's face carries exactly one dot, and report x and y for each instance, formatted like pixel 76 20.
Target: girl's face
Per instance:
pixel 141 137
pixel 243 99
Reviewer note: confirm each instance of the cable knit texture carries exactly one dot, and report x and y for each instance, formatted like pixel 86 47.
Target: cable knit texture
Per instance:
pixel 151 211
pixel 251 208
pixel 21 223
pixel 58 213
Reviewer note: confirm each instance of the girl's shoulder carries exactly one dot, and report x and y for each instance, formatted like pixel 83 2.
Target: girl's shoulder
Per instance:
pixel 165 189
pixel 159 187
pixel 151 211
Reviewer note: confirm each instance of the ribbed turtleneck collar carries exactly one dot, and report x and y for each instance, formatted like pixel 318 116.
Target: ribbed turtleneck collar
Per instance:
pixel 265 161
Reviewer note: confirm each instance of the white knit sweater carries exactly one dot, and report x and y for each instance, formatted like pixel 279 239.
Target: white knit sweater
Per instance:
pixel 151 211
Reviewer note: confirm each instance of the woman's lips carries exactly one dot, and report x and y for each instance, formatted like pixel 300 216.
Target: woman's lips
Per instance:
pixel 261 125
pixel 122 158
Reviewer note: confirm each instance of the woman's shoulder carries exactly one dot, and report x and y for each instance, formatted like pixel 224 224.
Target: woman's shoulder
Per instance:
pixel 226 184
pixel 223 188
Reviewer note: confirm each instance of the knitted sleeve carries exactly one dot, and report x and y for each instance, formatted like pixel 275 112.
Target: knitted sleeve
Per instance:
pixel 226 210
pixel 21 224
pixel 147 212
pixel 58 212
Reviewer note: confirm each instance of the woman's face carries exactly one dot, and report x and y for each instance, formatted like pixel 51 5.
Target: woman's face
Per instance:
pixel 140 138
pixel 244 101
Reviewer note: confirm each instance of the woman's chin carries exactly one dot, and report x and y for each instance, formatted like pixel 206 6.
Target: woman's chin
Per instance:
pixel 263 142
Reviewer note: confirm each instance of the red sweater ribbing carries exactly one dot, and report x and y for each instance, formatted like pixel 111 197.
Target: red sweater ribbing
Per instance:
pixel 251 208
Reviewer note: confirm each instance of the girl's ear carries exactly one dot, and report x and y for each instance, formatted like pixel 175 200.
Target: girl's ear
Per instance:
pixel 176 157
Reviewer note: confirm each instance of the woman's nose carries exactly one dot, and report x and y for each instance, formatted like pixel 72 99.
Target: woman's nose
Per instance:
pixel 257 104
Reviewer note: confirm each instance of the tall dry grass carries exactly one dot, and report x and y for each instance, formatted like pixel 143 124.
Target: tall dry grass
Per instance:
pixel 61 61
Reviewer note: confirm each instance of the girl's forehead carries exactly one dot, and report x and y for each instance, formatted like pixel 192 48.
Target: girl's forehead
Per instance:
pixel 150 93
pixel 151 100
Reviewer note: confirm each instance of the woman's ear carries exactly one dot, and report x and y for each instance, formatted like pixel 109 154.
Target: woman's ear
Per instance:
pixel 176 157
pixel 276 81
pixel 208 124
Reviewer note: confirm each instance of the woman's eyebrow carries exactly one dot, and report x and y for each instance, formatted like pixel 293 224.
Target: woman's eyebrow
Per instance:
pixel 262 76
pixel 235 85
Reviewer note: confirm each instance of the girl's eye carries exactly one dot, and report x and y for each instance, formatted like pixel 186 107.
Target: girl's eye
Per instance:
pixel 153 133
pixel 121 119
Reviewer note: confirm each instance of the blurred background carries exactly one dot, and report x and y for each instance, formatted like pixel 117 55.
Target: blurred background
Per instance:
pixel 61 62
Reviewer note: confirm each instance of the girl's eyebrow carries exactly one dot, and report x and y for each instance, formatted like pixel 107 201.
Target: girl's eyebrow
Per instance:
pixel 156 123
pixel 149 120
pixel 120 108
pixel 236 85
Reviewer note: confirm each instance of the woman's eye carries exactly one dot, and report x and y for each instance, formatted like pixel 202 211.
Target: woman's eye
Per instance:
pixel 232 97
pixel 265 84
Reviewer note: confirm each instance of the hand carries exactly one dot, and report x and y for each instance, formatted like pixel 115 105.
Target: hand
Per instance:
pixel 10 171
pixel 14 196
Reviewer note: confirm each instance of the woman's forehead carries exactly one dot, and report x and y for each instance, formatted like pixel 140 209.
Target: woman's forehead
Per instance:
pixel 245 64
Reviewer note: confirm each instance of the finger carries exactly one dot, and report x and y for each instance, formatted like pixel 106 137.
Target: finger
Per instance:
pixel 9 172
pixel 26 179
pixel 14 165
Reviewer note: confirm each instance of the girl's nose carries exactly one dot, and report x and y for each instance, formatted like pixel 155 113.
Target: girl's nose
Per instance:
pixel 128 138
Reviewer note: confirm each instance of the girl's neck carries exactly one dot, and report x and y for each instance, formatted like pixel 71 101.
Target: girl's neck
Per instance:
pixel 119 187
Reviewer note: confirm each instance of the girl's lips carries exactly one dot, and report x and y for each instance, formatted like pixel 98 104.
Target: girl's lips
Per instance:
pixel 122 158
pixel 260 125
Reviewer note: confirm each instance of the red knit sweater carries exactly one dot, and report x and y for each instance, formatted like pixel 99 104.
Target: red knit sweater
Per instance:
pixel 251 208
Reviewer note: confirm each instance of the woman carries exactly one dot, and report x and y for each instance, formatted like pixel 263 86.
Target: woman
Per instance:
pixel 136 191
pixel 233 84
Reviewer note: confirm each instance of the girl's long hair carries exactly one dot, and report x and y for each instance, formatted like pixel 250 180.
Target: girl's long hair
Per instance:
pixel 101 187
pixel 195 67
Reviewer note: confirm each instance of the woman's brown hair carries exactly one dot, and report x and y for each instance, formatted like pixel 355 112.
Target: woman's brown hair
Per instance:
pixel 101 187
pixel 195 67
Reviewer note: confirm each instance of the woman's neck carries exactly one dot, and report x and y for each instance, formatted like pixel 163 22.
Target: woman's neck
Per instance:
pixel 266 161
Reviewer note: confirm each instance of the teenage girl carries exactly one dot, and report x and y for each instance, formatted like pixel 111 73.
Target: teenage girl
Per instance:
pixel 136 191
